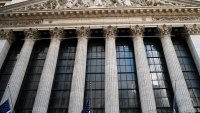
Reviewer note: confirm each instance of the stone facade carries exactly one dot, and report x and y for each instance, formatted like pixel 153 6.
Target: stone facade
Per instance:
pixel 109 15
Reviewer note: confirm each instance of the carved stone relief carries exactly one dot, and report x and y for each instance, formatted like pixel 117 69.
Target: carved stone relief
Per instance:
pixel 8 35
pixel 164 30
pixel 175 18
pixel 110 31
pixel 68 4
pixel 137 30
pixel 57 33
pixel 83 32
pixel 193 30
pixel 31 33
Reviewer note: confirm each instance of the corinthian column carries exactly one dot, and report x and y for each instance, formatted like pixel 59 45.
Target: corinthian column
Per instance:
pixel 46 80
pixel 182 95
pixel 19 70
pixel 6 39
pixel 143 73
pixel 193 41
pixel 111 78
pixel 78 79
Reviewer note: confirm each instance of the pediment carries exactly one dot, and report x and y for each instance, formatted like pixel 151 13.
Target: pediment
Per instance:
pixel 38 5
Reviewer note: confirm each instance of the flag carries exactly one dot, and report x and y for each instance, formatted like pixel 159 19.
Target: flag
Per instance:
pixel 175 109
pixel 86 107
pixel 5 107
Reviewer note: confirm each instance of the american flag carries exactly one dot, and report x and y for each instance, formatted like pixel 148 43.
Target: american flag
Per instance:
pixel 5 107
pixel 86 107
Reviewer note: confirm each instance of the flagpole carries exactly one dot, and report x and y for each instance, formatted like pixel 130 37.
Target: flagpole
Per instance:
pixel 175 91
pixel 174 101
pixel 12 107
pixel 91 97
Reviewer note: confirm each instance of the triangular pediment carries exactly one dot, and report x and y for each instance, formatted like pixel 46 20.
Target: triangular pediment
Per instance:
pixel 38 5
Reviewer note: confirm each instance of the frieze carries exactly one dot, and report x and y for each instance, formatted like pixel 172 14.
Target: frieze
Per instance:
pixel 18 23
pixel 175 18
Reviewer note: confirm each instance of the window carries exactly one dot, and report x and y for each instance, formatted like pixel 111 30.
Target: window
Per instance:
pixel 60 93
pixel 159 75
pixel 189 70
pixel 95 75
pixel 128 86
pixel 31 80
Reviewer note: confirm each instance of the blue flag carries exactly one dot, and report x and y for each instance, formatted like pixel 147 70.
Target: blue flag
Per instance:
pixel 5 107
pixel 86 107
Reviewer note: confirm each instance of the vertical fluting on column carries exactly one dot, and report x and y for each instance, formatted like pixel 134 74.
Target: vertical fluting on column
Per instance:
pixel 6 39
pixel 193 41
pixel 19 70
pixel 147 99
pixel 111 78
pixel 182 94
pixel 78 78
pixel 47 76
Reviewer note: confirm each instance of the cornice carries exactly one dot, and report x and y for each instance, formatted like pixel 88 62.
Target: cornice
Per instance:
pixel 102 12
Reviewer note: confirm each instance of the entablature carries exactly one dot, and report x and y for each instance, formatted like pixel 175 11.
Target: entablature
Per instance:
pixel 107 12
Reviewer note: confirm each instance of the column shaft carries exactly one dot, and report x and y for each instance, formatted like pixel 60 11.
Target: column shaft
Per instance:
pixel 147 99
pixel 78 79
pixel 46 80
pixel 4 48
pixel 182 94
pixel 18 73
pixel 193 41
pixel 111 77
pixel 6 39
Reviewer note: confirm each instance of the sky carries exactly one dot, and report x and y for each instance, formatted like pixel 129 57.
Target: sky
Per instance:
pixel 16 1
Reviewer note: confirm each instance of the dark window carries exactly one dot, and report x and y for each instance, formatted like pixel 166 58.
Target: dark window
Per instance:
pixel 95 75
pixel 31 80
pixel 60 93
pixel 159 75
pixel 189 71
pixel 128 88
pixel 8 65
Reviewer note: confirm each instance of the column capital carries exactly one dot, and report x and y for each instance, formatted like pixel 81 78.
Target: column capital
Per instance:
pixel 192 29
pixel 57 33
pixel 83 32
pixel 137 30
pixel 7 35
pixel 31 33
pixel 164 30
pixel 110 31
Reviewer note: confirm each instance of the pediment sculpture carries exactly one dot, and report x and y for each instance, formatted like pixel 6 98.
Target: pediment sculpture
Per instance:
pixel 63 4
pixel 76 4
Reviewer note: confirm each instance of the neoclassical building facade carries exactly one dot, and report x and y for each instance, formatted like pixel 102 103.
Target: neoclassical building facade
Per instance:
pixel 123 56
